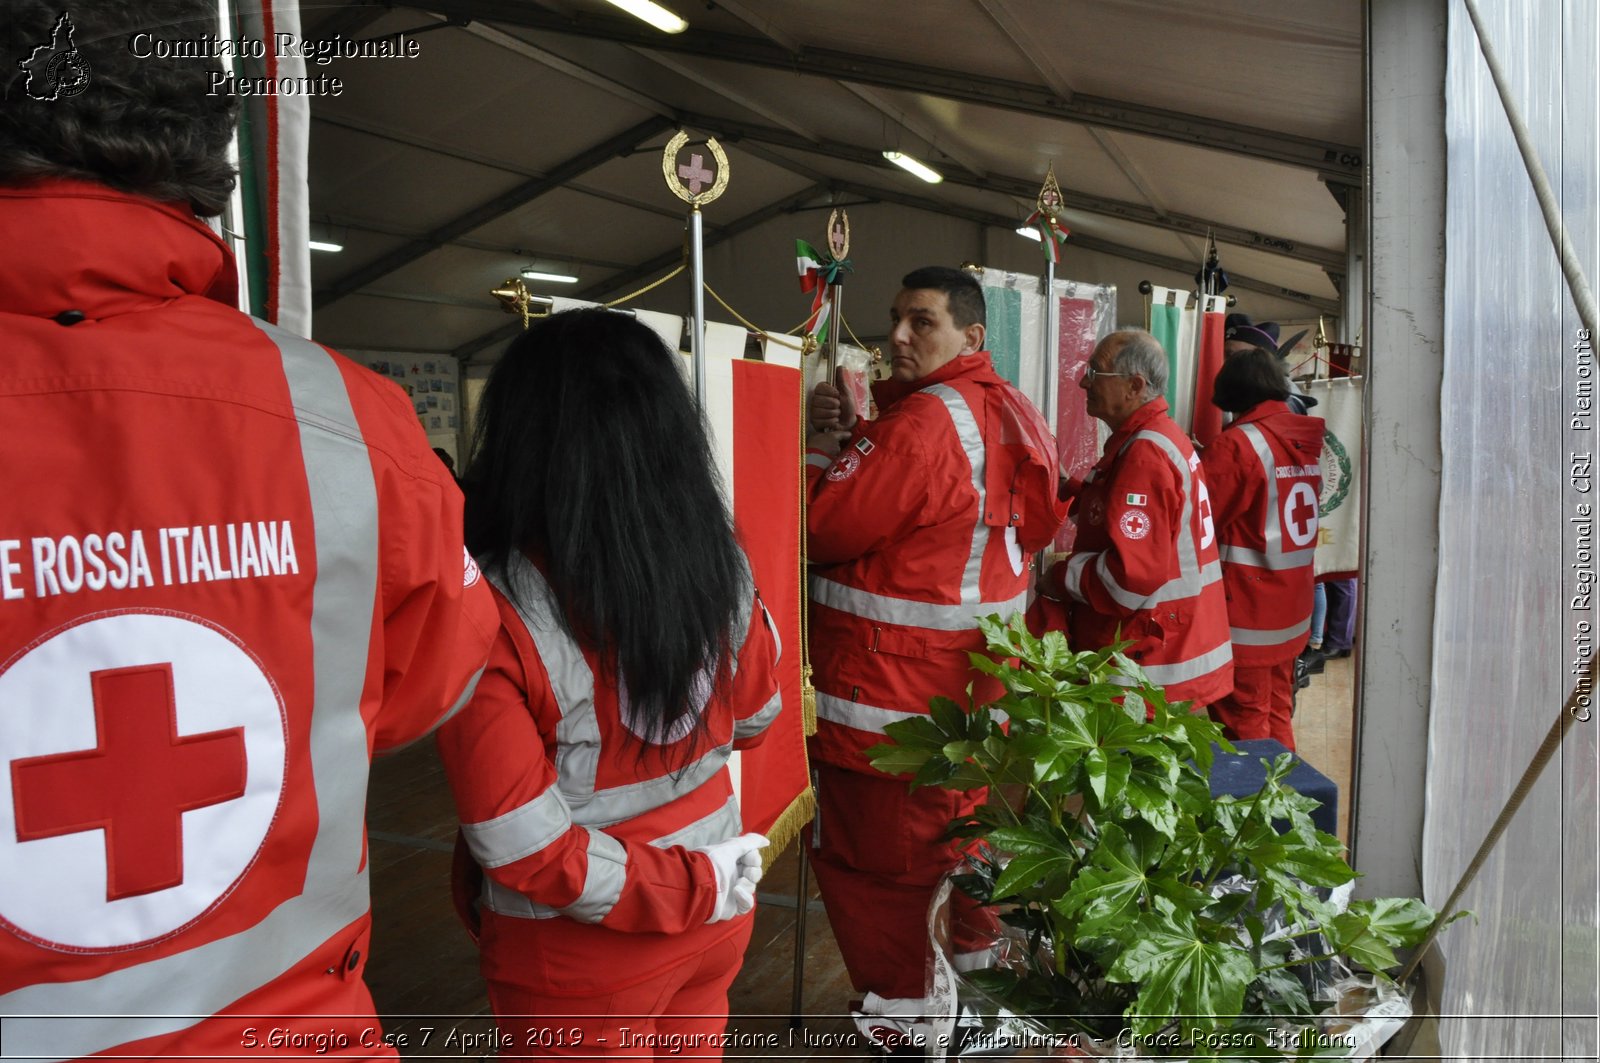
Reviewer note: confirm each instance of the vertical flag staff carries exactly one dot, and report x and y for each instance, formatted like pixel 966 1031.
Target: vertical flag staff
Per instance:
pixel 686 180
pixel 1052 234
pixel 825 277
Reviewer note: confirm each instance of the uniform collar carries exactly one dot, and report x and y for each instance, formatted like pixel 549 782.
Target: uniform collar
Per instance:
pixel 1262 410
pixel 976 365
pixel 76 245
pixel 1137 420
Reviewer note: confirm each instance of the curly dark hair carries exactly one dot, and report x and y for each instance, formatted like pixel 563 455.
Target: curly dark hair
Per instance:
pixel 141 125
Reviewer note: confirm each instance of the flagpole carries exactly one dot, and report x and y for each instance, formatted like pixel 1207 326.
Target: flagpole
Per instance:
pixel 696 174
pixel 838 244
pixel 1046 206
pixel 697 329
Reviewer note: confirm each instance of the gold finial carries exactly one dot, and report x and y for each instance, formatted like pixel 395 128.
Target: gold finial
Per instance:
pixel 514 298
pixel 839 233
pixel 686 179
pixel 1049 201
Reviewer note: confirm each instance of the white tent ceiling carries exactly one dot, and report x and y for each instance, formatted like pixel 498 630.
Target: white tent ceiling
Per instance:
pixel 530 133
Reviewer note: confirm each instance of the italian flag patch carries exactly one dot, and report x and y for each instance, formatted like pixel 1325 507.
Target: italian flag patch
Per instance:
pixel 1138 500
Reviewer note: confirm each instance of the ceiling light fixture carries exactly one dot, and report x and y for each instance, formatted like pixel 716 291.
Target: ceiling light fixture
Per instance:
pixel 532 274
pixel 653 13
pixel 1029 231
pixel 324 245
pixel 914 166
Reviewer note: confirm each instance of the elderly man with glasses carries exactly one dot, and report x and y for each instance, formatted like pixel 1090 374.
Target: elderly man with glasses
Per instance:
pixel 1145 568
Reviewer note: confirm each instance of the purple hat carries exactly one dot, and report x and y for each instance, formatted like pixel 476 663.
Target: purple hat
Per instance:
pixel 1240 327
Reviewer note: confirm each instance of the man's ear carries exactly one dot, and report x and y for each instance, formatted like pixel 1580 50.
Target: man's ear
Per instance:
pixel 975 335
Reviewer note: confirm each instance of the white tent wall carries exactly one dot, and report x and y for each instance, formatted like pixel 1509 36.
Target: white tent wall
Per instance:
pixel 1509 550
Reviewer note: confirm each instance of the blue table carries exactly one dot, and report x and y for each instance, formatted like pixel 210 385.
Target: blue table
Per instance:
pixel 1243 775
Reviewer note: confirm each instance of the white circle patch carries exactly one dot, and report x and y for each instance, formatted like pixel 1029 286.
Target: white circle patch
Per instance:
pixel 1135 523
pixel 846 466
pixel 144 757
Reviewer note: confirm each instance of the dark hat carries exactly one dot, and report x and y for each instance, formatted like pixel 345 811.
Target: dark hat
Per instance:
pixel 1240 327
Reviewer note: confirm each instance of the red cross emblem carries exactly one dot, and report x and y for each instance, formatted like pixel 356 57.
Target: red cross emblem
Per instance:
pixel 1300 514
pixel 696 173
pixel 144 758
pixel 135 785
pixel 1135 523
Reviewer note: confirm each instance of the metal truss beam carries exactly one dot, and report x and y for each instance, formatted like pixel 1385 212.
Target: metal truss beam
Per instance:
pixel 1087 243
pixel 497 207
pixel 1337 161
pixel 1027 190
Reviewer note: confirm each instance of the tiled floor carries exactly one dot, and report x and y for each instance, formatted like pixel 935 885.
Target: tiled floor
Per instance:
pixel 424 968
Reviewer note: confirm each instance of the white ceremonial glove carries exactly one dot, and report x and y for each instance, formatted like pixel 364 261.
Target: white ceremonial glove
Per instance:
pixel 737 863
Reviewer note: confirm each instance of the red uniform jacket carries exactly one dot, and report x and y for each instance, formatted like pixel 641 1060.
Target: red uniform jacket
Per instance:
pixel 230 569
pixel 922 525
pixel 1265 487
pixel 1145 562
pixel 558 804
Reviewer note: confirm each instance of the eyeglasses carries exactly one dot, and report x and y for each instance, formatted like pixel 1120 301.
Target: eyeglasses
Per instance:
pixel 1090 373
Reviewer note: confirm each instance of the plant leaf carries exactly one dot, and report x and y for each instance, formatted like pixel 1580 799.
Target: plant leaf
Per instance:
pixel 1023 872
pixel 1180 973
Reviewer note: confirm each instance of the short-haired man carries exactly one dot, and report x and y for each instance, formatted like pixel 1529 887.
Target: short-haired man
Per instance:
pixel 1145 568
pixel 231 569
pixel 920 524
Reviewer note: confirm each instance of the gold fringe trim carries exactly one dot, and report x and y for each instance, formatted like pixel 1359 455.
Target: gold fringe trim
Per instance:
pixel 786 828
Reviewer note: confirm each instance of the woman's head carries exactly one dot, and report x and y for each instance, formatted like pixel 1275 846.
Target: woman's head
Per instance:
pixel 591 455
pixel 1249 378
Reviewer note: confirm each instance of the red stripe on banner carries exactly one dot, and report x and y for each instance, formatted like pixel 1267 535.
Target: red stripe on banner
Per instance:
pixel 1077 439
pixel 269 206
pixel 1207 418
pixel 766 509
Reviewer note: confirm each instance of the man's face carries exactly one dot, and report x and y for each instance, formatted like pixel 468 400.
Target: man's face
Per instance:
pixel 922 335
pixel 1111 398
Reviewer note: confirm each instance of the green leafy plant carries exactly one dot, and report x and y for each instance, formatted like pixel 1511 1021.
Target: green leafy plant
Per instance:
pixel 1148 905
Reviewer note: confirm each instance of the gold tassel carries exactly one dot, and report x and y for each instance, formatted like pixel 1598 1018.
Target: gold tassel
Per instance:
pixel 808 701
pixel 786 828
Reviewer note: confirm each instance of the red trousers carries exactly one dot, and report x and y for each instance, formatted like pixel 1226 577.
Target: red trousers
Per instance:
pixel 882 851
pixel 1261 703
pixel 566 990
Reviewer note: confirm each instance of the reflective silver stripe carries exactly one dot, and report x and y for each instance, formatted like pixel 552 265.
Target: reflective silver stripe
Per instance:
pixel 460 703
pixel 1188 559
pixel 519 833
pixel 1284 561
pixel 1074 578
pixel 1244 636
pixel 1195 667
pixel 936 616
pixel 1274 558
pixel 578 734
pixel 888 610
pixel 854 714
pixel 719 826
pixel 1171 591
pixel 602 886
pixel 761 720
pixel 164 995
pixel 818 461
pixel 971 437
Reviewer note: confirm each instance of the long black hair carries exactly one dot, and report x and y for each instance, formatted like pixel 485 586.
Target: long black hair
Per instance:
pixel 591 455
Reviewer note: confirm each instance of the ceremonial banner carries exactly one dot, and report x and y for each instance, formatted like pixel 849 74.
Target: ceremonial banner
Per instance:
pixel 274 132
pixel 1207 420
pixel 1175 323
pixel 1339 403
pixel 1083 314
